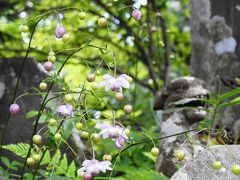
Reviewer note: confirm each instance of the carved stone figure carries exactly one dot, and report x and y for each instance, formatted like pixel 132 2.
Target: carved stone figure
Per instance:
pixel 179 109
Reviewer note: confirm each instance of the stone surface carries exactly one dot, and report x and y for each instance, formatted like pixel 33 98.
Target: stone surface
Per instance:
pixel 173 101
pixel 215 43
pixel 19 129
pixel 200 168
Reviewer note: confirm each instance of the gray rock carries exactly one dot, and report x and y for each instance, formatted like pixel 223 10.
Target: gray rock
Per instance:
pixel 215 42
pixel 200 168
pixel 174 102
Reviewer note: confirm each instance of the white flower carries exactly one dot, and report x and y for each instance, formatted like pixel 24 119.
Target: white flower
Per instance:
pixel 94 167
pixel 139 3
pixel 66 109
pixel 115 84
pixel 112 132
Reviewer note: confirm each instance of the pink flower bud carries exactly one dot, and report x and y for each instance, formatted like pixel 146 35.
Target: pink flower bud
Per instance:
pixel 14 108
pixel 87 176
pixel 137 14
pixel 48 66
pixel 120 142
pixel 59 31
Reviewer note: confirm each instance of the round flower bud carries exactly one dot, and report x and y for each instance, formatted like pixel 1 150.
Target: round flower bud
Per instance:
pixel 92 122
pixel 51 59
pixel 155 151
pixel 65 38
pixel 36 157
pixel 52 122
pixel 119 96
pixel 94 86
pixel 79 126
pixel 127 109
pixel 102 22
pixel 91 77
pixel 137 14
pixel 43 86
pixel 107 157
pixel 37 139
pixel 14 109
pixel 57 136
pixel 59 31
pixel 153 29
pixel 30 161
pixel 48 66
pixel 24 28
pixel 68 97
pixel 51 53
pixel 236 169
pixel 82 15
pixel 127 132
pixel 216 165
pixel 87 176
pixel 179 155
pixel 84 134
pixel 95 137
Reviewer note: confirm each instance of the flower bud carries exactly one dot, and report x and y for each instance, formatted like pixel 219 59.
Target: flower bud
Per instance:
pixel 91 77
pixel 14 109
pixel 48 66
pixel 102 22
pixel 59 31
pixel 137 14
pixel 127 109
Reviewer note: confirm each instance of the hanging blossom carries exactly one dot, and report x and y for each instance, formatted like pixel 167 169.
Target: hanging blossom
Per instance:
pixel 66 109
pixel 93 167
pixel 115 84
pixel 60 31
pixel 116 133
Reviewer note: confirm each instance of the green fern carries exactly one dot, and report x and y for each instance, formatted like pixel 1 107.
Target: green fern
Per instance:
pixel 20 149
pixel 60 164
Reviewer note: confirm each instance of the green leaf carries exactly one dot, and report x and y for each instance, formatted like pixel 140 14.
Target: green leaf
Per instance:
pixel 56 158
pixel 230 94
pixel 5 161
pixel 71 170
pixel 47 158
pixel 20 149
pixel 31 114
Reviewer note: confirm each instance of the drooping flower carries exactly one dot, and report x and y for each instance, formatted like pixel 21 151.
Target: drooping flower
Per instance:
pixel 48 66
pixel 94 167
pixel 120 142
pixel 66 109
pixel 115 84
pixel 59 31
pixel 14 108
pixel 137 14
pixel 113 132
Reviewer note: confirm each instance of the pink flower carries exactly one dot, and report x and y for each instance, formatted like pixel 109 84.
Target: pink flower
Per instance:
pixel 115 84
pixel 120 142
pixel 14 109
pixel 59 31
pixel 66 109
pixel 94 167
pixel 112 132
pixel 48 66
pixel 137 14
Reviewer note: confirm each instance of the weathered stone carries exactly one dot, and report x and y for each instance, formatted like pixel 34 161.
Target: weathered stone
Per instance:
pixel 215 43
pixel 200 168
pixel 178 96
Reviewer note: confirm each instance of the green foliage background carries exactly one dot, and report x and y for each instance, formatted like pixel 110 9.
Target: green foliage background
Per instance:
pixel 137 161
